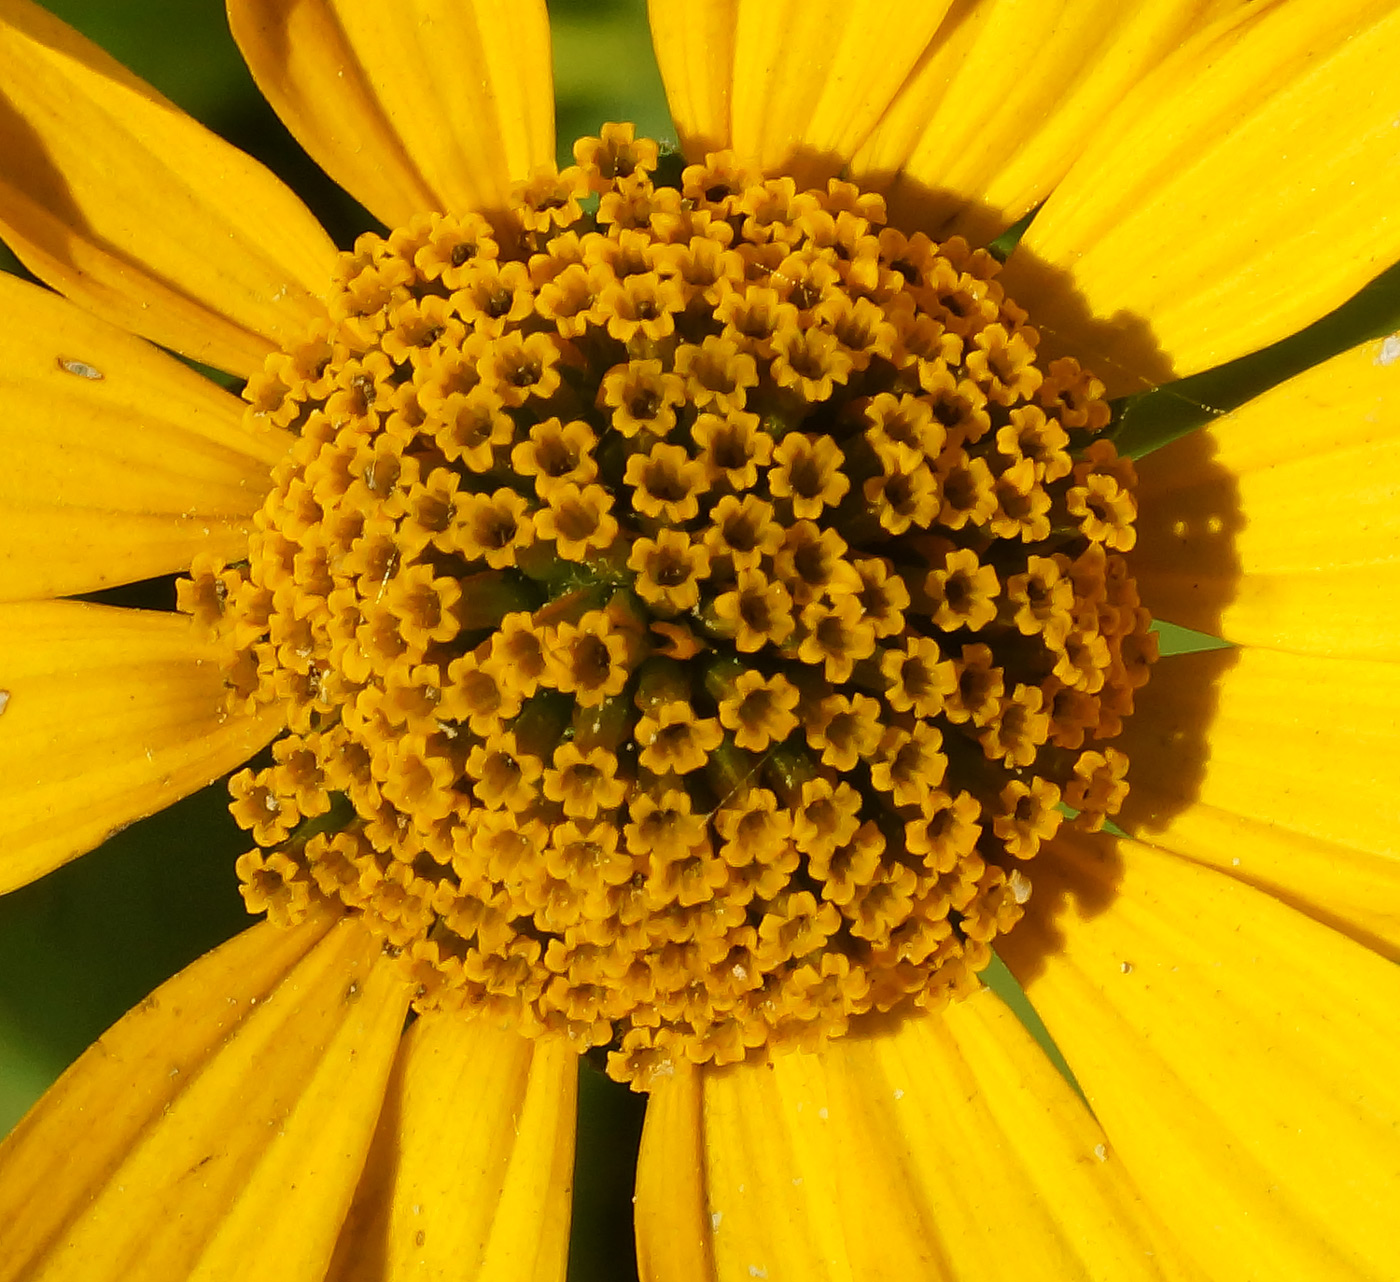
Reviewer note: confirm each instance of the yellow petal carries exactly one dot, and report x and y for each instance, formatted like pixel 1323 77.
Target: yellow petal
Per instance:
pixel 120 200
pixel 470 1174
pixel 1244 189
pixel 306 68
pixel 105 716
pixel 152 1054
pixel 943 1146
pixel 805 82
pixel 120 462
pixel 413 106
pixel 1281 770
pixel 1004 100
pixel 1279 525
pixel 694 43
pixel 218 1130
pixel 673 1221
pixel 1240 1056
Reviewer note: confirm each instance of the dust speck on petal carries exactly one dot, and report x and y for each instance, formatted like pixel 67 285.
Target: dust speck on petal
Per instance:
pixel 1390 351
pixel 80 368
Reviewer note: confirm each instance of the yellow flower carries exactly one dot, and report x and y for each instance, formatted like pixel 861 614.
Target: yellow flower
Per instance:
pixel 450 642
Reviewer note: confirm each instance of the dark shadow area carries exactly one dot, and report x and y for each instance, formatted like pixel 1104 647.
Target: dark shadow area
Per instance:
pixel 1188 521
pixel 43 184
pixel 1166 738
pixel 149 594
pixel 602 1247
pixel 1121 348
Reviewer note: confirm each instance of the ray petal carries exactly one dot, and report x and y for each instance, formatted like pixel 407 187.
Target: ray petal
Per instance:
pixel 234 1108
pixel 1279 525
pixel 853 57
pixel 412 107
pixel 1240 1056
pixel 805 123
pixel 943 1147
pixel 1280 770
pixel 694 43
pixel 1005 98
pixel 1244 189
pixel 106 716
pixel 121 201
pixel 471 1169
pixel 674 1223
pixel 121 462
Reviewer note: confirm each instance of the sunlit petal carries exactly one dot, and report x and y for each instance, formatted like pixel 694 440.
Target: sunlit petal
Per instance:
pixel 1240 1056
pixel 1279 769
pixel 382 97
pixel 120 462
pixel 944 1147
pixel 236 1106
pixel 1005 98
pixel 470 1173
pixel 106 716
pixel 1243 190
pixel 117 198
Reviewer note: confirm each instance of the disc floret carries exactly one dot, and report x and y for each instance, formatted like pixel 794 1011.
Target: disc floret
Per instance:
pixel 690 616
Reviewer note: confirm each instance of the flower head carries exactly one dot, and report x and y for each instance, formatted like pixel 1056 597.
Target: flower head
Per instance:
pixel 697 629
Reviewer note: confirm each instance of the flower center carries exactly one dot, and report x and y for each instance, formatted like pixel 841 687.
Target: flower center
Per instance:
pixel 690 616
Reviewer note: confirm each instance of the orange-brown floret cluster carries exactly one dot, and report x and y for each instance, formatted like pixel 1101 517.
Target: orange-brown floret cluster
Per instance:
pixel 691 615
